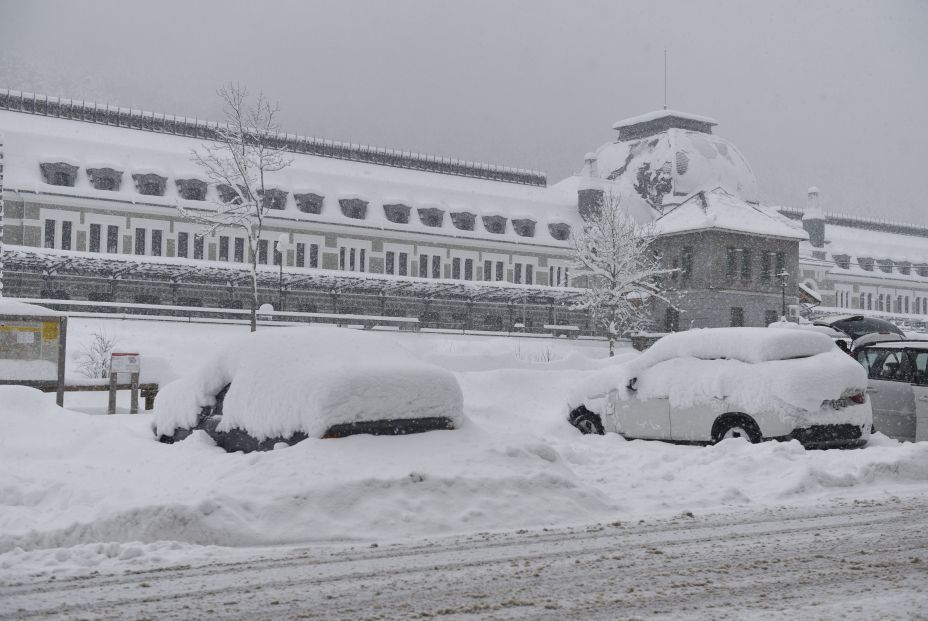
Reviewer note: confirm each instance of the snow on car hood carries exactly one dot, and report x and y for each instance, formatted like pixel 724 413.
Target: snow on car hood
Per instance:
pixel 288 380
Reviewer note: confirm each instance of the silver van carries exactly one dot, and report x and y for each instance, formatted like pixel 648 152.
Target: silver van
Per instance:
pixel 898 388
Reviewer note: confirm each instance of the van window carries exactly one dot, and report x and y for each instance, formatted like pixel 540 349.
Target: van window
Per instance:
pixel 921 367
pixel 893 367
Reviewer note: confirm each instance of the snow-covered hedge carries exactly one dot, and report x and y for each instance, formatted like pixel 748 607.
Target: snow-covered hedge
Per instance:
pixel 292 380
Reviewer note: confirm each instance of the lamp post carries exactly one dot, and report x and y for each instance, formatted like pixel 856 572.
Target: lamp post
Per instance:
pixel 784 279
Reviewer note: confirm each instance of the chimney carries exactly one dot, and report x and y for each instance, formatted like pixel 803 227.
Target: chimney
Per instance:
pixel 813 220
pixel 590 189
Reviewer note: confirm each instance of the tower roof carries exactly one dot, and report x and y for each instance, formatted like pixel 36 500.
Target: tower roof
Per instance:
pixel 662 120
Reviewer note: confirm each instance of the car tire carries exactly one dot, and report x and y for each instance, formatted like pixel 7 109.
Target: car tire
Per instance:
pixel 586 421
pixel 736 427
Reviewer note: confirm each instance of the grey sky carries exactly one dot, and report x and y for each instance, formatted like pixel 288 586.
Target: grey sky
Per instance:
pixel 830 93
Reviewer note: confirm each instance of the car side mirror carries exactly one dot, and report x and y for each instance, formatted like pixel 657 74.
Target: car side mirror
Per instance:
pixel 633 384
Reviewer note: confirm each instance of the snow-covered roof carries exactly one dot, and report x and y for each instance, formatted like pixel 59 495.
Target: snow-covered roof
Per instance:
pixel 11 307
pixel 718 209
pixel 688 160
pixel 31 140
pixel 860 242
pixel 661 114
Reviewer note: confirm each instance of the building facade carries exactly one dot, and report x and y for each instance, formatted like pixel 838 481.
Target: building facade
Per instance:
pixel 94 197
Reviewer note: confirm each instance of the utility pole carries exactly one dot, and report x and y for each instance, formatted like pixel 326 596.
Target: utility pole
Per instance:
pixel 665 78
pixel 784 277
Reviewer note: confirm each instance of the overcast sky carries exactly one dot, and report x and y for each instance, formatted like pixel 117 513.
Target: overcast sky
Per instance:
pixel 831 93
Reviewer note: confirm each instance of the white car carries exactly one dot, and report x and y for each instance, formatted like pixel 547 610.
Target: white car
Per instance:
pixel 898 388
pixel 703 386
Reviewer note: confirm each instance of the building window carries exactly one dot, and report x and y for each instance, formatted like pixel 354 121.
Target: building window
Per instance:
pixel 309 202
pixel 112 239
pixel 671 319
pixel 341 258
pixel 431 216
pixel 66 235
pixel 389 262
pixel 517 274
pixel 499 271
pixel 278 255
pixel 463 220
pixel 223 248
pixel 686 263
pixel 191 189
pixel 423 266
pixel 488 270
pixel 869 301
pixel 105 178
pixel 879 303
pixel 746 264
pixel 529 274
pixel 404 264
pixel 58 173
pixel 468 269
pixel 737 316
pixel 731 260
pixel 300 254
pixel 262 251
pixel 198 247
pixel 314 255
pixel 150 184
pixel 49 234
pixel 781 263
pixel 456 268
pixel 239 250
pixel 397 213
pixel 183 241
pixel 494 224
pixel 353 208
pixel 436 266
pixel 94 238
pixel 139 241
pixel 273 199
pixel 156 242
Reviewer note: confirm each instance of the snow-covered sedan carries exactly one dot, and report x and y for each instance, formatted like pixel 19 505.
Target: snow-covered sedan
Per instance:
pixel 289 384
pixel 703 386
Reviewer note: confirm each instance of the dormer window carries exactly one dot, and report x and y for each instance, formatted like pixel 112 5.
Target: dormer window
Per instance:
pixel 866 263
pixel 227 194
pixel 524 227
pixel 353 208
pixel 904 267
pixel 886 266
pixel 150 184
pixel 921 270
pixel 105 178
pixel 59 173
pixel 494 224
pixel 308 202
pixel 191 189
pixel 843 261
pixel 273 198
pixel 431 216
pixel 559 230
pixel 463 220
pixel 397 213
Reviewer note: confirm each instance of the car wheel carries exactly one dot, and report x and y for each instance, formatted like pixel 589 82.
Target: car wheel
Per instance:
pixel 737 427
pixel 586 421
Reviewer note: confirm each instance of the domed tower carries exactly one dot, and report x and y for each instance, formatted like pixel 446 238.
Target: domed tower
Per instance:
pixel 661 158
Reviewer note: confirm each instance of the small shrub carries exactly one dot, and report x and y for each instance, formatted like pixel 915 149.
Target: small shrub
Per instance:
pixel 93 361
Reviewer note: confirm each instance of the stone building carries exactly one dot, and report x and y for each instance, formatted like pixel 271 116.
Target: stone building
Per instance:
pixel 92 196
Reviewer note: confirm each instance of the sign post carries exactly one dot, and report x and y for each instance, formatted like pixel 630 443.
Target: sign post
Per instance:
pixel 124 362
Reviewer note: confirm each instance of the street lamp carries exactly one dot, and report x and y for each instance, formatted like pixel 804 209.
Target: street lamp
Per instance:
pixel 784 279
pixel 279 247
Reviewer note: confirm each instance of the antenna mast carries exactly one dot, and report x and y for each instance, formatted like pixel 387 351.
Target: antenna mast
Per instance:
pixel 665 78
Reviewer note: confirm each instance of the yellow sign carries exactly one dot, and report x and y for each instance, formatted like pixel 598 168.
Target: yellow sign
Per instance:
pixel 49 330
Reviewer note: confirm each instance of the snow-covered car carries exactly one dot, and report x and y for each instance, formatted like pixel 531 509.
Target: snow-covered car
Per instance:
pixel 898 388
pixel 703 386
pixel 289 384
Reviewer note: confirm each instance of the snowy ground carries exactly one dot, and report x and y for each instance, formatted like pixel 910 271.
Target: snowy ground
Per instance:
pixel 82 492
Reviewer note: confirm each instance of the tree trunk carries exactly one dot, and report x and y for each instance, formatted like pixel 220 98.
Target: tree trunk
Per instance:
pixel 254 292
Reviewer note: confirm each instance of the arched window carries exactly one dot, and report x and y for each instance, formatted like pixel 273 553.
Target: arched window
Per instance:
pixel 879 303
pixel 863 300
pixel 869 301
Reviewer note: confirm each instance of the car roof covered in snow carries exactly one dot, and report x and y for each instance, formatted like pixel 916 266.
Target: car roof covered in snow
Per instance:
pixel 290 380
pixel 901 345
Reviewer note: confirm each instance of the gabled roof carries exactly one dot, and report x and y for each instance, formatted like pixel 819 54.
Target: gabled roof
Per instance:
pixel 717 209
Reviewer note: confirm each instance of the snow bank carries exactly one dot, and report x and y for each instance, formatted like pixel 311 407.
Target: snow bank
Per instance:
pixel 11 307
pixel 308 379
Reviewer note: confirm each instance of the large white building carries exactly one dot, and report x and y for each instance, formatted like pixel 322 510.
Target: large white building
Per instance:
pixel 92 194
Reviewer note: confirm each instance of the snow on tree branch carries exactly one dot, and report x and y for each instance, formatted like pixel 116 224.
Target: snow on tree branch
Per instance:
pixel 614 253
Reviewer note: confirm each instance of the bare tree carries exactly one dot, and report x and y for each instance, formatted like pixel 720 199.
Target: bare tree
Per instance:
pixel 93 361
pixel 237 161
pixel 621 268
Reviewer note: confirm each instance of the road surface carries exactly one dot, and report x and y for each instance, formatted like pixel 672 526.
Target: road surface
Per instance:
pixel 852 559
